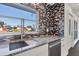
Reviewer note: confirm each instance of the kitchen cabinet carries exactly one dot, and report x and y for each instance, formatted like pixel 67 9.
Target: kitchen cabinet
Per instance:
pixel 55 48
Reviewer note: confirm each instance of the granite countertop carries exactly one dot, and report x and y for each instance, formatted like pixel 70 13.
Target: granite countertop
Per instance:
pixel 33 43
pixel 47 39
pixel 36 42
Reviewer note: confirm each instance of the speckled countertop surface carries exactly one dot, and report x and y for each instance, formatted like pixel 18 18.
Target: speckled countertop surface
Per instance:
pixel 33 43
pixel 39 41
pixel 46 39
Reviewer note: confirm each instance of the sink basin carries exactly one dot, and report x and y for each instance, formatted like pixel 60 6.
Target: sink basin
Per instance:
pixel 16 45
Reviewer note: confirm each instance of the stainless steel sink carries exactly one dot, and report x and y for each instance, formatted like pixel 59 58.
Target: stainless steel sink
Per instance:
pixel 16 45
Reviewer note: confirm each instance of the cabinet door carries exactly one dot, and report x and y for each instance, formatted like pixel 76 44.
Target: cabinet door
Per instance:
pixel 55 50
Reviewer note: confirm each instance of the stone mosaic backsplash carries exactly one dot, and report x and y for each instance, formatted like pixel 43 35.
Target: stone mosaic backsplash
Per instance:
pixel 51 18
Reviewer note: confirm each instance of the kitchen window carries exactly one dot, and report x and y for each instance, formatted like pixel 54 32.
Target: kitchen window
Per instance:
pixel 69 27
pixel 75 30
pixel 14 20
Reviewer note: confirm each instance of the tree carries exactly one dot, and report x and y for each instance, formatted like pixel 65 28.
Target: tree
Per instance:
pixel 1 24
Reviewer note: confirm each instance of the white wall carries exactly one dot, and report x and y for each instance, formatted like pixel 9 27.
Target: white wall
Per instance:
pixel 68 40
pixel 65 42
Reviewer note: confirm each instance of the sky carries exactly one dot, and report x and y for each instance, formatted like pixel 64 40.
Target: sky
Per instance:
pixel 10 11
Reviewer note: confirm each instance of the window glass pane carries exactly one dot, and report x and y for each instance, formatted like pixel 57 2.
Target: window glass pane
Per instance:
pixel 69 27
pixel 29 26
pixel 75 30
pixel 10 25
pixel 10 11
pixel 30 18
